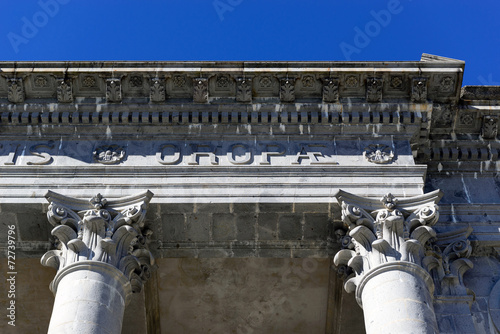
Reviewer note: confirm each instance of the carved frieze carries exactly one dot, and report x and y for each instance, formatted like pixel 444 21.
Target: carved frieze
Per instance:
pixel 15 90
pixel 331 90
pixel 419 90
pixel 200 90
pixel 244 90
pixel 109 231
pixel 64 91
pixel 157 90
pixel 287 90
pixel 113 90
pixel 374 89
pixel 378 154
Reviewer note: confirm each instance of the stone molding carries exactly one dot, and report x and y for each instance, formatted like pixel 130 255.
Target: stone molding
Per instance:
pixel 110 232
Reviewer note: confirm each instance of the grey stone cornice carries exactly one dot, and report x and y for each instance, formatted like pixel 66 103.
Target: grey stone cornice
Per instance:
pixel 435 79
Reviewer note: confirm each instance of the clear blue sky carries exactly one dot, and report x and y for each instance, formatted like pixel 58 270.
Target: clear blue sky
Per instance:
pixel 255 30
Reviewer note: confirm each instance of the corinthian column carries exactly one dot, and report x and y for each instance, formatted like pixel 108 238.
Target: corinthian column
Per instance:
pixel 390 237
pixel 101 259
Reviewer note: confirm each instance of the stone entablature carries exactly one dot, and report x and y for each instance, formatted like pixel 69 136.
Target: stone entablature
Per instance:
pixel 241 82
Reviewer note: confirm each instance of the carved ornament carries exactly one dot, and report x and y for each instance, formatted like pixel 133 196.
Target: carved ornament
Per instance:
pixel 108 231
pixel 379 154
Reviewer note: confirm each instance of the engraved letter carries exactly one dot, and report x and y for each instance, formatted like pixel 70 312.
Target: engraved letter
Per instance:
pixel 231 154
pixel 46 158
pixel 195 155
pixel 266 156
pixel 312 156
pixel 175 153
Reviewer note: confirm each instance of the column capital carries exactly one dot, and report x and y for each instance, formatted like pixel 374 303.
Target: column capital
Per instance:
pixel 108 231
pixel 386 230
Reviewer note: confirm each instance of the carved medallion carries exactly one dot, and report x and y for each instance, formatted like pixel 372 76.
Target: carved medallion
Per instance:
pixel 41 81
pixel 136 81
pixel 89 81
pixel 378 154
pixel 447 84
pixel 109 155
pixel 351 81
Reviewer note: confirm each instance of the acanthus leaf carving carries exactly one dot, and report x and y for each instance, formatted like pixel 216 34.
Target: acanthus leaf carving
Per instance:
pixel 244 90
pixel 331 90
pixel 200 90
pixel 64 91
pixel 15 90
pixel 374 89
pixel 157 90
pixel 388 230
pixel 419 90
pixel 287 90
pixel 100 230
pixel 113 90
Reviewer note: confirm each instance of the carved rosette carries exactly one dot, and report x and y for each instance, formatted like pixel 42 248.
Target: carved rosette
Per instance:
pixel 16 90
pixel 200 90
pixel 331 90
pixel 385 231
pixel 244 90
pixel 287 90
pixel 419 90
pixel 157 90
pixel 374 89
pixel 64 91
pixel 111 232
pixel 113 90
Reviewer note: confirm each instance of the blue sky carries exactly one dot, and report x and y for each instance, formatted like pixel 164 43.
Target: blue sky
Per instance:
pixel 255 30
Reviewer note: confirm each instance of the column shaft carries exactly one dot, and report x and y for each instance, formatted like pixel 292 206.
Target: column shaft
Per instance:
pixel 90 298
pixel 397 298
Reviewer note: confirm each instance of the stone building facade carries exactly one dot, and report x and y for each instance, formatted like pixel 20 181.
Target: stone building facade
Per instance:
pixel 248 197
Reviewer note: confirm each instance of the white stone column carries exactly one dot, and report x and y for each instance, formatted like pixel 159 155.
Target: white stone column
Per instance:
pixel 389 238
pixel 101 260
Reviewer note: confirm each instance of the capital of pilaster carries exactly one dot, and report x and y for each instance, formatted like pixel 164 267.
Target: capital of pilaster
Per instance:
pixel 98 230
pixel 385 231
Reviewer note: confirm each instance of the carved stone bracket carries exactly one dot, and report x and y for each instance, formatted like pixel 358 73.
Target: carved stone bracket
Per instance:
pixel 64 91
pixel 244 90
pixel 113 90
pixel 200 90
pixel 374 89
pixel 16 90
pixel 331 90
pixel 388 230
pixel 107 231
pixel 157 90
pixel 489 129
pixel 419 90
pixel 287 90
